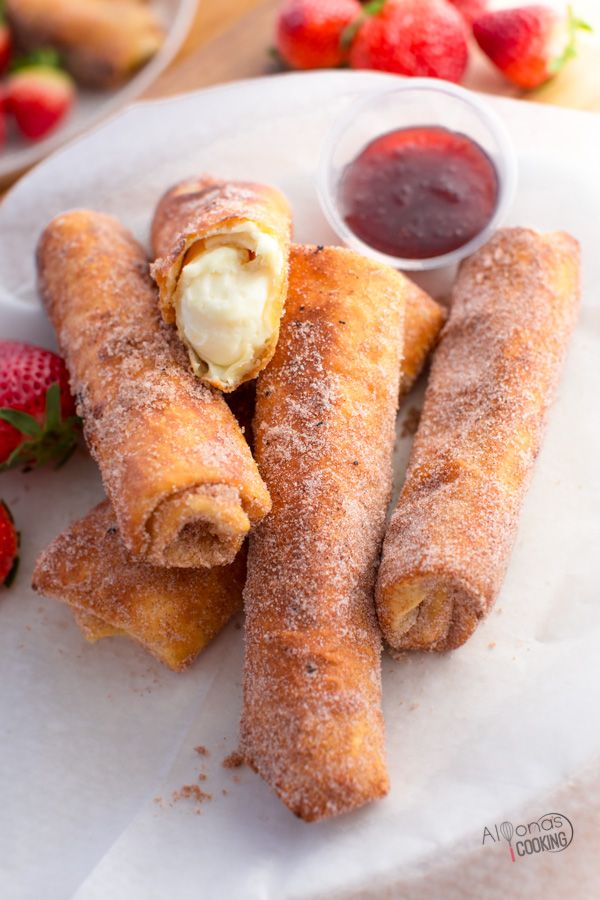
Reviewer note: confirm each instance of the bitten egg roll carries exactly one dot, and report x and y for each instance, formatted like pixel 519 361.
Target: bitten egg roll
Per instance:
pixel 324 428
pixel 173 613
pixel 175 465
pixel 101 43
pixel 492 379
pixel 222 252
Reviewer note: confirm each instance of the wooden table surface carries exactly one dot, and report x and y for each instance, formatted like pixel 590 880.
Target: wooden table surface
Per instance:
pixel 230 39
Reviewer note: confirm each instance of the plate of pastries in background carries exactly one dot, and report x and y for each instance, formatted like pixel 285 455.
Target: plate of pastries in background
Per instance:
pixel 64 64
pixel 331 519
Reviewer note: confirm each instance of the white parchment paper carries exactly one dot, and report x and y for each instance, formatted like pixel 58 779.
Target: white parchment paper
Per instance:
pixel 96 738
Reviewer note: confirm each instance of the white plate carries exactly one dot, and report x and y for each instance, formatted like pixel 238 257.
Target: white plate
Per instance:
pixel 93 733
pixel 92 106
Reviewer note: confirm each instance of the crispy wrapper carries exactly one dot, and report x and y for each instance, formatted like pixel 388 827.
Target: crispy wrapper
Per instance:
pixel 175 465
pixel 193 218
pixel 324 428
pixel 423 324
pixel 101 43
pixel 173 613
pixel 492 380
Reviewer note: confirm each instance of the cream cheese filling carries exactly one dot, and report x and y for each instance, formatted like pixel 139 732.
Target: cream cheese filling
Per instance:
pixel 222 300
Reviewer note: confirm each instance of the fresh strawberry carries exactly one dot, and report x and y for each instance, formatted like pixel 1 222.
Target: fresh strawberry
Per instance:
pixel 5 44
pixel 2 125
pixel 529 44
pixel 309 32
pixel 39 95
pixel 412 37
pixel 9 546
pixel 470 9
pixel 37 415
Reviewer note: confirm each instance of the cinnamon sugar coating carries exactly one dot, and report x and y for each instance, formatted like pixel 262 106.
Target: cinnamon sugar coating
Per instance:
pixel 173 613
pixel 324 428
pixel 492 379
pixel 423 324
pixel 175 465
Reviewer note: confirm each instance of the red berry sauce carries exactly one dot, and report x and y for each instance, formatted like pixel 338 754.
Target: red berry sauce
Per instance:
pixel 419 192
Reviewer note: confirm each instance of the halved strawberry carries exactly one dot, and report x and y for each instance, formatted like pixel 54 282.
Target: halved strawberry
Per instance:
pixel 39 94
pixel 529 44
pixel 9 546
pixel 37 413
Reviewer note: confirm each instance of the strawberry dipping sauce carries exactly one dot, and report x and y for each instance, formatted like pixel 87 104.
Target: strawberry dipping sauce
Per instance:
pixel 418 193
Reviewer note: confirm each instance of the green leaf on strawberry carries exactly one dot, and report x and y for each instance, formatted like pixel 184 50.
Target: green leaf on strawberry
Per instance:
pixel 53 441
pixel 574 25
pixel 47 57
pixel 38 424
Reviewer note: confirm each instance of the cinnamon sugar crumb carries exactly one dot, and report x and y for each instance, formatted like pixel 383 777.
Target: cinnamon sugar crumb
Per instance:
pixel 201 749
pixel 191 792
pixel 491 645
pixel 411 422
pixel 233 761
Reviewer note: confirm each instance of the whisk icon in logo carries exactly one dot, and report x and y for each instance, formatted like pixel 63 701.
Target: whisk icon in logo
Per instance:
pixel 507 830
pixel 551 833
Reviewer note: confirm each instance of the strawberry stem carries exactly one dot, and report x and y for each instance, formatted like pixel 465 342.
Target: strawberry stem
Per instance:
pixel 576 24
pixel 46 57
pixel 351 30
pixel 573 26
pixel 53 407
pixel 373 7
pixel 349 33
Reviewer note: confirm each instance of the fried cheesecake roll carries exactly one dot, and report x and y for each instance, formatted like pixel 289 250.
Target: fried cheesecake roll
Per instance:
pixel 102 43
pixel 173 613
pixel 175 465
pixel 324 428
pixel 492 380
pixel 222 271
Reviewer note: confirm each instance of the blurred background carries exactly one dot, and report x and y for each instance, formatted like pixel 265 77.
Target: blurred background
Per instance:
pixel 67 64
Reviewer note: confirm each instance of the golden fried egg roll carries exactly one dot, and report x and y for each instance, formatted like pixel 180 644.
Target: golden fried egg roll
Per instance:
pixel 492 379
pixel 222 272
pixel 324 429
pixel 173 613
pixel 101 43
pixel 423 323
pixel 175 465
